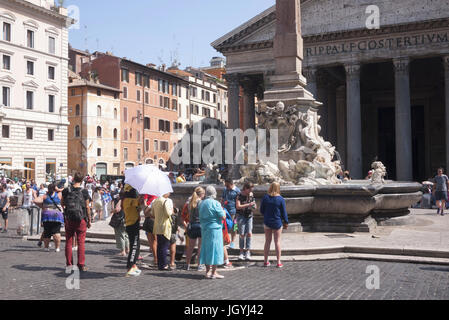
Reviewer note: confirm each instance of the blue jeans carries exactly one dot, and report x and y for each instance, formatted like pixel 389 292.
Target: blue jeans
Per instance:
pixel 245 226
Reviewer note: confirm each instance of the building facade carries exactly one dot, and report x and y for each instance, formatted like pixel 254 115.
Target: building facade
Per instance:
pixel 385 91
pixel 33 81
pixel 94 145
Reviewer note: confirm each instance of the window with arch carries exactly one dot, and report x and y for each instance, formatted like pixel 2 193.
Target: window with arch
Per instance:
pixel 115 113
pixel 77 110
pixel 77 131
pixel 98 111
pixel 115 134
pixel 99 132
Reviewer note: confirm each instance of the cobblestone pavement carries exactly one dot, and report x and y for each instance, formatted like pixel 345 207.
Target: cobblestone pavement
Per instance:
pixel 27 272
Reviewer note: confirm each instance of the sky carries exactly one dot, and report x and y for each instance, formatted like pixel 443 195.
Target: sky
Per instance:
pixel 159 31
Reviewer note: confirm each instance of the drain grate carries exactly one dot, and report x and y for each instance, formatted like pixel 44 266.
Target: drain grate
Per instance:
pixel 334 236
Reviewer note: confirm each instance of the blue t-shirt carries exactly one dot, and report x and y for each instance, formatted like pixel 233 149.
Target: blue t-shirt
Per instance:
pixel 274 211
pixel 229 198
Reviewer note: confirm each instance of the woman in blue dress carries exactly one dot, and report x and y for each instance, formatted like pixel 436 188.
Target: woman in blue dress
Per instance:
pixel 211 217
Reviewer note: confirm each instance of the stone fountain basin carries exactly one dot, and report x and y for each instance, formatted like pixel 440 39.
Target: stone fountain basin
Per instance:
pixel 356 206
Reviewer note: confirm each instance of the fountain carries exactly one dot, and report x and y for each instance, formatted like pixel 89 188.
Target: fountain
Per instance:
pixel 317 201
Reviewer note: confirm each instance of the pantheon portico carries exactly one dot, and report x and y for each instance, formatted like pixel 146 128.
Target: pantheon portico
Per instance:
pixel 385 92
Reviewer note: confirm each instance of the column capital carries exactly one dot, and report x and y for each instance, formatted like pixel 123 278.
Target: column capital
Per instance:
pixel 446 62
pixel 310 73
pixel 249 85
pixel 401 64
pixel 353 70
pixel 233 79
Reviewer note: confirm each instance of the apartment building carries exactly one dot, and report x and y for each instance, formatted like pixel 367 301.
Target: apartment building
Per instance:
pixel 94 145
pixel 33 83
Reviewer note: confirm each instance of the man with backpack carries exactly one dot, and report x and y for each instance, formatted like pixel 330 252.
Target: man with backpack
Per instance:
pixel 75 201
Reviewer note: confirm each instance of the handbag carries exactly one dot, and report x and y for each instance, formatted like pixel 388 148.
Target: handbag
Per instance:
pixel 226 237
pixel 117 220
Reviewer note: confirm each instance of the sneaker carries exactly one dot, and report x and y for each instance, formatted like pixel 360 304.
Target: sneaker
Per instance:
pixel 266 265
pixel 75 248
pixel 58 250
pixel 280 266
pixel 173 267
pixel 228 265
pixel 201 267
pixel 133 272
pixel 187 267
pixel 248 256
pixel 217 276
pixel 5 231
pixel 232 245
pixel 241 257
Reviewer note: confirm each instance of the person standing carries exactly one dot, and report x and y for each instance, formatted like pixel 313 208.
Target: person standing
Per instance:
pixel 273 209
pixel 4 206
pixel 118 223
pixel 440 188
pixel 75 202
pixel 29 195
pixel 131 206
pixel 148 226
pixel 98 204
pixel 181 178
pixel 52 217
pixel 245 205
pixel 228 201
pixel 212 248
pixel 162 211
pixel 194 226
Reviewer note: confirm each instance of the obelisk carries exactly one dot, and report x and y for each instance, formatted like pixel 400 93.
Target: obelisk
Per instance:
pixel 288 83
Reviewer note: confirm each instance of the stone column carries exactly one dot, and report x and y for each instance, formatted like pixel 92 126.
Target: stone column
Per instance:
pixel 233 101
pixel 354 121
pixel 332 113
pixel 310 74
pixel 321 96
pixel 446 90
pixel 249 93
pixel 404 155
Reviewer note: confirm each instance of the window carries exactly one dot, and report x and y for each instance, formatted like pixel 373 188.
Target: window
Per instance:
pixel 30 100
pixel 77 110
pixel 138 79
pixel 138 135
pixel 138 95
pixel 197 110
pixel 139 116
pixel 125 93
pixel 51 135
pixel 6 31
pixel 125 114
pixel 98 111
pixel 167 90
pixel 99 132
pixel 51 45
pixel 215 98
pixel 30 39
pixel 29 133
pixel 147 98
pixel 115 153
pixel 146 81
pixel 115 113
pixel 50 166
pixel 6 94
pixel 202 94
pixel 167 126
pixel 164 146
pixel 161 125
pixel 115 134
pixel 5 131
pixel 175 105
pixel 125 134
pixel 156 145
pixel 125 75
pixel 77 131
pixel 147 124
pixel 6 62
pixel 99 93
pixel 73 92
pixel 98 152
pixel 161 101
pixel 147 145
pixel 218 106
pixel 115 95
pixel 139 154
pixel 30 68
pixel 51 103
pixel 51 75
pixel 125 154
pixel 167 103
pixel 159 85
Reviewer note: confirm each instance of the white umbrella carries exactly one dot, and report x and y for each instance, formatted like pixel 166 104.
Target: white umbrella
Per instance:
pixel 147 179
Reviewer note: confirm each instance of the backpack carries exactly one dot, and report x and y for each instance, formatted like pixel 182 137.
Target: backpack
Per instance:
pixel 229 221
pixel 74 205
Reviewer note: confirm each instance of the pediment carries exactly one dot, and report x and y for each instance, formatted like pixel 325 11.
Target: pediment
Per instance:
pixel 52 88
pixel 7 79
pixel 31 84
pixel 8 16
pixel 321 17
pixel 52 30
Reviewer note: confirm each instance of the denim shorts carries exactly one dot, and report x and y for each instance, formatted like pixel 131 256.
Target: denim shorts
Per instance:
pixel 245 224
